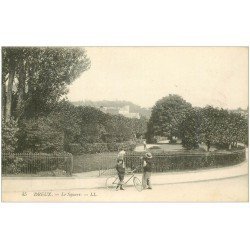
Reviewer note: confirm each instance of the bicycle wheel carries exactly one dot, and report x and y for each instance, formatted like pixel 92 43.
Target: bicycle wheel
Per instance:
pixel 137 184
pixel 111 182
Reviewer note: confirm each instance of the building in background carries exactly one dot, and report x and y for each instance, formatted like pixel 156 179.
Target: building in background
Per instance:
pixel 243 112
pixel 122 111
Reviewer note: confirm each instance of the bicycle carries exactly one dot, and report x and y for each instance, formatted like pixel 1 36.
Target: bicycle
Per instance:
pixel 112 181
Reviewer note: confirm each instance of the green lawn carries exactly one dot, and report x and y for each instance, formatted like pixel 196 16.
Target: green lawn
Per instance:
pixel 170 147
pixel 92 162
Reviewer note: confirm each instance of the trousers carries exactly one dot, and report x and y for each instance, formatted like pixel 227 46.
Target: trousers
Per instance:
pixel 121 178
pixel 146 179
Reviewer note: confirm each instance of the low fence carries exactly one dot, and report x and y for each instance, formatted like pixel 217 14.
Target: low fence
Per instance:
pixel 107 164
pixel 32 163
pixel 104 164
pixel 94 162
pixel 169 161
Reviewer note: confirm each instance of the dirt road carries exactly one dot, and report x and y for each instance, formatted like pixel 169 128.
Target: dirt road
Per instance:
pixel 234 189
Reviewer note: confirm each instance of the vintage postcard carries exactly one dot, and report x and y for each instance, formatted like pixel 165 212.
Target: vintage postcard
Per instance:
pixel 124 124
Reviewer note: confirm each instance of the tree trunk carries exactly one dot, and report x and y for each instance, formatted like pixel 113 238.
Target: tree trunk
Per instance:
pixel 21 90
pixel 9 90
pixel 4 83
pixel 208 146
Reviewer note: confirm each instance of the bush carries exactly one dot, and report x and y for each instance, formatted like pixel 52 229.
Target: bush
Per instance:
pixel 75 148
pixel 9 136
pixel 188 161
pixel 33 163
pixel 40 135
pixel 92 148
pixel 11 165
pixel 113 146
pixel 155 147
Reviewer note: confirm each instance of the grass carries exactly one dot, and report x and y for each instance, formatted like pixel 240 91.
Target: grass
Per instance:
pixel 92 162
pixel 107 160
pixel 170 147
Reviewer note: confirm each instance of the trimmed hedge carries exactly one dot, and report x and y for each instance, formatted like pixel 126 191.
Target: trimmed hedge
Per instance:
pixel 30 163
pixel 75 149
pixel 93 148
pixel 174 162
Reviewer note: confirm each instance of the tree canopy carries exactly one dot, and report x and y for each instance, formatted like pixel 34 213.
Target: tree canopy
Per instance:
pixel 213 126
pixel 167 115
pixel 172 117
pixel 35 78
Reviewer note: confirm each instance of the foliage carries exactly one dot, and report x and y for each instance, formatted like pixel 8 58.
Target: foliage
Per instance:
pixel 30 163
pixel 190 130
pixel 161 162
pixel 167 115
pixel 92 148
pixel 40 135
pixel 223 128
pixel 9 136
pixel 90 125
pixel 41 75
pixel 213 126
pixel 34 81
pixel 145 112
pixel 67 118
pixel 165 162
pixel 68 124
pixel 75 148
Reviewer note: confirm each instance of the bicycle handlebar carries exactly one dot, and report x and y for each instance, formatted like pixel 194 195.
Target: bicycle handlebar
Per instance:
pixel 133 170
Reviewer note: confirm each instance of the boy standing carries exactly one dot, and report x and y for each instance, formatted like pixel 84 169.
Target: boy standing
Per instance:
pixel 147 169
pixel 121 173
pixel 120 167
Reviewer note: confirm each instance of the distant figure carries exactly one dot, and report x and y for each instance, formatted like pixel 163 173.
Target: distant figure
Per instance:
pixel 144 145
pixel 147 169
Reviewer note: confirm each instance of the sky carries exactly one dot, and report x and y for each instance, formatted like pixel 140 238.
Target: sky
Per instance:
pixel 216 76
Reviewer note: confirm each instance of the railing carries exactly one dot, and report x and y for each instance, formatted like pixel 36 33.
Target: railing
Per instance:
pixel 174 161
pixel 34 163
pixel 107 165
pixel 131 162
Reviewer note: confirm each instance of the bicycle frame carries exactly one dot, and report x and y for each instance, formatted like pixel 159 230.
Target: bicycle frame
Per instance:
pixel 132 175
pixel 129 176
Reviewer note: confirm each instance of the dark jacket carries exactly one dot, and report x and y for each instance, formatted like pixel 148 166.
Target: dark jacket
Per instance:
pixel 148 167
pixel 120 169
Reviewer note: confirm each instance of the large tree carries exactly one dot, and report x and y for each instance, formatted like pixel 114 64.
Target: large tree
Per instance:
pixel 190 130
pixel 37 77
pixel 167 115
pixel 213 126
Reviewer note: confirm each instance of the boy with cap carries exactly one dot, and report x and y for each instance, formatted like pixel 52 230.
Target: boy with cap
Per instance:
pixel 120 167
pixel 147 169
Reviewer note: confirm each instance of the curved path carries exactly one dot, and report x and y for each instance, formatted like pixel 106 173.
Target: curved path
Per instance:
pixel 218 184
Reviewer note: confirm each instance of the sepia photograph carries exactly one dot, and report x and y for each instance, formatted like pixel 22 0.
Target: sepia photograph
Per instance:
pixel 124 124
